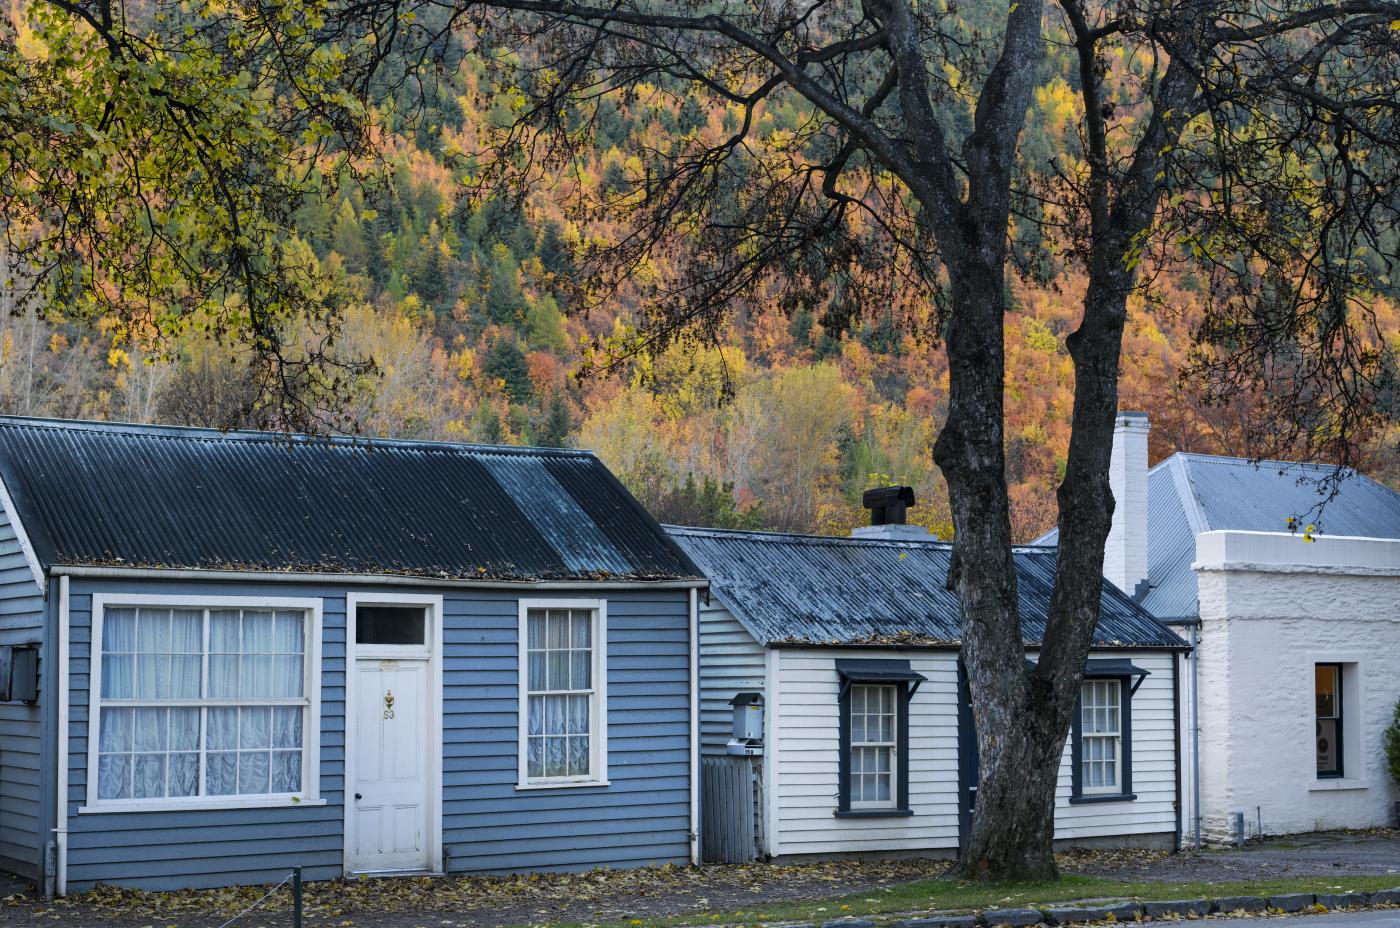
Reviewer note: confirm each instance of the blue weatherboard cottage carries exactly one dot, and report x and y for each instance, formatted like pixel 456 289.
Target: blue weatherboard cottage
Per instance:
pixel 225 655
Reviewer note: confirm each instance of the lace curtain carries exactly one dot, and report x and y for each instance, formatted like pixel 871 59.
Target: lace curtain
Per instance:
pixel 560 683
pixel 159 654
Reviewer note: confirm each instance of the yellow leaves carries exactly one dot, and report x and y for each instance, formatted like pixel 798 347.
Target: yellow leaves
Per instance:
pixel 1060 107
pixel 953 76
pixel 1038 336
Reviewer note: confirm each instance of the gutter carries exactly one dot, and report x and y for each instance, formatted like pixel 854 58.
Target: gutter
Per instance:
pixel 260 576
pixel 954 647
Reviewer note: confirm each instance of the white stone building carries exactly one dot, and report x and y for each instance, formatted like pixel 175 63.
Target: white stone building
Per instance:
pixel 1291 594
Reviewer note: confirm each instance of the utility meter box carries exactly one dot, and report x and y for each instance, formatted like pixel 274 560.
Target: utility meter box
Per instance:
pixel 748 724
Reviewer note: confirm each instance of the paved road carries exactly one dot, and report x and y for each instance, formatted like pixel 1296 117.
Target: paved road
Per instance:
pixel 1375 918
pixel 1325 854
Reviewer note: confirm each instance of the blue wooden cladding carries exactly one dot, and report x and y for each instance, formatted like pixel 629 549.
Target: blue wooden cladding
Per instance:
pixel 21 725
pixel 227 569
pixel 488 825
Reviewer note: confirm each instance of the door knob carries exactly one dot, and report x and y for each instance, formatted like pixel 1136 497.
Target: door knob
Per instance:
pixel 358 796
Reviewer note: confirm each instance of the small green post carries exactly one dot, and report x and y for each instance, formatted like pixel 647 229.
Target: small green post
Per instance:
pixel 296 897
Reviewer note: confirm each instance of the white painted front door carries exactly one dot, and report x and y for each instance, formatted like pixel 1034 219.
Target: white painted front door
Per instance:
pixel 389 795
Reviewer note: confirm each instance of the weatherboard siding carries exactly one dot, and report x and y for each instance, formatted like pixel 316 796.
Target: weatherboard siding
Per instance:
pixel 206 847
pixel 807 733
pixel 730 662
pixel 1153 812
pixel 642 817
pixel 808 746
pixel 21 726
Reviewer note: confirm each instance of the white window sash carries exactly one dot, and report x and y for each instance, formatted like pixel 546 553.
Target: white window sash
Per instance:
pixel 309 702
pixel 891 745
pixel 597 704
pixel 1112 689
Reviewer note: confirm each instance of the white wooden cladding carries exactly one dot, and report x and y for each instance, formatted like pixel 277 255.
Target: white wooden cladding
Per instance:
pixel 807 773
pixel 730 662
pixel 807 759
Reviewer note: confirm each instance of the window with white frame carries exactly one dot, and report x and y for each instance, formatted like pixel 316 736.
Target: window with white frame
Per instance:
pixel 1100 736
pixel 560 737
pixel 874 717
pixel 201 702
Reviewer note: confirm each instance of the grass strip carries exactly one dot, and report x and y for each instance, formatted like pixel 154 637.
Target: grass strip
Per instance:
pixel 942 895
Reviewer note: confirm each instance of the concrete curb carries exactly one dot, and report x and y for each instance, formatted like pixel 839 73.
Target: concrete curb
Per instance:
pixel 1117 913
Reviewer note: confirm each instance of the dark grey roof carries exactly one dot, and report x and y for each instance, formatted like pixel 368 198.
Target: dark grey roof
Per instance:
pixel 158 496
pixel 1192 493
pixel 810 589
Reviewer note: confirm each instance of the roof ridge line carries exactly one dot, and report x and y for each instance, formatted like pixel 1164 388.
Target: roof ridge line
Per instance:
pixel 1185 485
pixel 1259 462
pixel 807 537
pixel 208 434
pixel 803 537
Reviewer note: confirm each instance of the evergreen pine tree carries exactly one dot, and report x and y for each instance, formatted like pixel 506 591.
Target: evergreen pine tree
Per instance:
pixel 430 272
pixel 545 325
pixel 553 251
pixel 486 424
pixel 558 423
pixel 348 238
pixel 505 362
pixel 504 301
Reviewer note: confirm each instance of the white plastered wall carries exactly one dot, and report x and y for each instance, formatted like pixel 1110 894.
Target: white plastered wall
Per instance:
pixel 1272 606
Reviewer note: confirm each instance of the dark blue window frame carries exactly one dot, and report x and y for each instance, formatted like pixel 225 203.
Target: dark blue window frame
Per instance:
pixel 906 681
pixel 1129 678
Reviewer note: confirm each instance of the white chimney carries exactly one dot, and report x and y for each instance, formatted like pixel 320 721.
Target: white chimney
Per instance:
pixel 1125 552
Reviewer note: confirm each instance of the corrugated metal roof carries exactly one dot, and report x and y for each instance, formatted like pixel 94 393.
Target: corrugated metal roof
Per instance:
pixel 810 589
pixel 1192 493
pixel 159 496
pixel 1237 494
pixel 1171 546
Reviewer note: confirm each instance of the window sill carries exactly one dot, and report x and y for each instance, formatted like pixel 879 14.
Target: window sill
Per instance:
pixel 1104 797
pixel 1335 784
pixel 562 784
pixel 198 805
pixel 873 813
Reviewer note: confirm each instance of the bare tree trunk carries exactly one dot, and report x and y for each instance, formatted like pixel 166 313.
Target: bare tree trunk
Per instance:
pixel 1020 734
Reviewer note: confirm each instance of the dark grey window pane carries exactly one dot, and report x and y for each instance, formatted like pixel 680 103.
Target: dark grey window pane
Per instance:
pixel 391 625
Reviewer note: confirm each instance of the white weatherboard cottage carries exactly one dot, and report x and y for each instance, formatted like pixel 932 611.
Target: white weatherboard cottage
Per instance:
pixel 1297 631
pixel 868 743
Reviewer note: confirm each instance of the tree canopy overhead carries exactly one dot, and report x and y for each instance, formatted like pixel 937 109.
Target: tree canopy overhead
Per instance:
pixel 1253 145
pixel 153 156
pixel 1255 142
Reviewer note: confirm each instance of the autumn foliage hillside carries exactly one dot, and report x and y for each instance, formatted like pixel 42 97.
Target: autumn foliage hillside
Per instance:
pixel 463 304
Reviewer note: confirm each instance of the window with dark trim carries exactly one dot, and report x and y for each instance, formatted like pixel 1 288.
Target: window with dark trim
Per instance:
pixel 874 737
pixel 1102 733
pixel 1327 688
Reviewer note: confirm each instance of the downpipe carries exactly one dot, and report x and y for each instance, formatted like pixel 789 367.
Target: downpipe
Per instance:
pixel 60 882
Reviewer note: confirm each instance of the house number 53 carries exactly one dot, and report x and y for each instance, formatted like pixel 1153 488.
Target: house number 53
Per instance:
pixel 388 704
